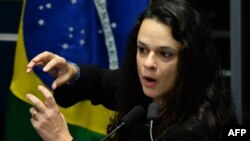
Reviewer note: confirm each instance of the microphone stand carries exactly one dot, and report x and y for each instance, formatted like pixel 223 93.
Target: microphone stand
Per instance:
pixel 111 133
pixel 134 115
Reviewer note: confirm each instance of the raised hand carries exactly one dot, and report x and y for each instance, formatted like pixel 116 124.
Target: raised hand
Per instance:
pixel 46 118
pixel 55 65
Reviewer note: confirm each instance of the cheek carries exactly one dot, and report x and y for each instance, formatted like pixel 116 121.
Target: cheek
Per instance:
pixel 138 62
pixel 138 65
pixel 170 76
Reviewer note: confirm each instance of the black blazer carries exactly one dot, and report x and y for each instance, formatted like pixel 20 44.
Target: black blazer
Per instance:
pixel 100 86
pixel 190 129
pixel 94 84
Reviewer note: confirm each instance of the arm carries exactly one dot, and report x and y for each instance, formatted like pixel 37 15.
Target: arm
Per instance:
pixel 95 84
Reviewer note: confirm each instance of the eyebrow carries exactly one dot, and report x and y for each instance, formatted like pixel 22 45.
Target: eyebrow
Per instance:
pixel 163 47
pixel 141 43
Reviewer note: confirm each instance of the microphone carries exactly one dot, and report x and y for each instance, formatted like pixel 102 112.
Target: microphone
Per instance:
pixel 134 115
pixel 152 115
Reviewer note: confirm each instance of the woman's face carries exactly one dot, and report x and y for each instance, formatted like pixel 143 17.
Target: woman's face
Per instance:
pixel 157 58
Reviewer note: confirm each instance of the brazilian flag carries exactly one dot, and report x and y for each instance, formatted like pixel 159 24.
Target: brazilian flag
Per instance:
pixel 82 31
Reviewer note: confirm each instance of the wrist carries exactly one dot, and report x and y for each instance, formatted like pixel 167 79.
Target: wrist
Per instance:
pixel 76 72
pixel 65 138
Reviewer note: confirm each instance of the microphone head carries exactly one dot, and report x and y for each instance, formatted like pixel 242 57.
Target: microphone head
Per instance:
pixel 153 110
pixel 134 115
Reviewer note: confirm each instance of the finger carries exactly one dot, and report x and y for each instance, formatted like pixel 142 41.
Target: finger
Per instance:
pixel 41 58
pixel 38 104
pixel 50 65
pixel 33 112
pixel 34 123
pixel 50 101
pixel 31 65
pixel 56 61
pixel 55 85
pixel 59 81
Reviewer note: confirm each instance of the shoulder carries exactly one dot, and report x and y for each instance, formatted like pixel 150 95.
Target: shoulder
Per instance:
pixel 191 129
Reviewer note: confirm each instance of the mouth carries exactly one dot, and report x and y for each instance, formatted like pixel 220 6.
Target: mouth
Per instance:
pixel 149 81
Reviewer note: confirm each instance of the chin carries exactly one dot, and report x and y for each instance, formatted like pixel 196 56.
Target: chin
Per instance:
pixel 150 93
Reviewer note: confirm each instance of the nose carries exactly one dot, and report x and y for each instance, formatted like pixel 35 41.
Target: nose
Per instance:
pixel 150 61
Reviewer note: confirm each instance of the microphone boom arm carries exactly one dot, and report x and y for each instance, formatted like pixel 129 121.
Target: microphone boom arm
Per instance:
pixel 111 133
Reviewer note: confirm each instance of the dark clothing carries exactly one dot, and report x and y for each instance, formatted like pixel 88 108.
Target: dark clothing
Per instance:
pixel 95 84
pixel 189 130
pixel 100 86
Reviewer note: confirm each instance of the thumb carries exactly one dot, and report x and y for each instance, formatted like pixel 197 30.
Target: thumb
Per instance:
pixel 59 81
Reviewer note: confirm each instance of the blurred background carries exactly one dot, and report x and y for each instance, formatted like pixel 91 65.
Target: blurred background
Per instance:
pixel 230 23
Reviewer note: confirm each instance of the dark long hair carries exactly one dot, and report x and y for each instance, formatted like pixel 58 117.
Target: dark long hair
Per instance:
pixel 200 89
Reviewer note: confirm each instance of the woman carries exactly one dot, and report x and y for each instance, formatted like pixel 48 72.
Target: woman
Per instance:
pixel 169 59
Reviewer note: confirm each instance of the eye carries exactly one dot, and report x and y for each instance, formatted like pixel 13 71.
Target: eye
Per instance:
pixel 142 50
pixel 166 54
